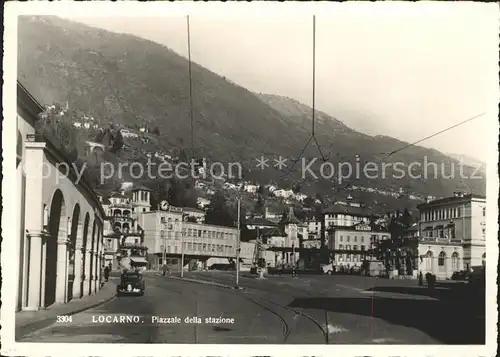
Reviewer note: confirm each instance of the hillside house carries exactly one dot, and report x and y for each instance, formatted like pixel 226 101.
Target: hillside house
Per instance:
pixel 283 193
pixel 251 188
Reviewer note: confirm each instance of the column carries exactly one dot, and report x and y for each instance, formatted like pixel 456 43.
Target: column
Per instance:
pixel 95 273
pixel 86 283
pixel 78 273
pixel 77 280
pixel 62 271
pixel 44 268
pixel 35 266
pixel 90 276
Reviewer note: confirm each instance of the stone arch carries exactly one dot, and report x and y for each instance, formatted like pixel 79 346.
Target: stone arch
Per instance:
pixel 74 223
pixel 86 223
pixel 91 249
pixel 56 228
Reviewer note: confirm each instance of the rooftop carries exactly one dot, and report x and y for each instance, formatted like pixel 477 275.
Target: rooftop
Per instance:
pixel 289 218
pixel 141 188
pixel 349 210
pixel 259 221
pixel 452 199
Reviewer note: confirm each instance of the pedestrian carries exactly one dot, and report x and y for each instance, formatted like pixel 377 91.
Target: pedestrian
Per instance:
pixel 106 273
pixel 164 269
pixel 420 279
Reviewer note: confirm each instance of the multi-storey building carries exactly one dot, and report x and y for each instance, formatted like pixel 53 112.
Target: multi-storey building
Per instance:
pixel 452 234
pixel 346 215
pixel 175 231
pixel 124 210
pixel 313 229
pixel 360 237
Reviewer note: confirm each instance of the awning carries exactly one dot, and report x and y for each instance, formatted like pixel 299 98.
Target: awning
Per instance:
pixel 139 261
pixel 428 228
pixel 439 226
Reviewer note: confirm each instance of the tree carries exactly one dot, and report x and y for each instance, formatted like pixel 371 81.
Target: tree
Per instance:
pixel 406 218
pixel 309 202
pixel 260 205
pixel 217 212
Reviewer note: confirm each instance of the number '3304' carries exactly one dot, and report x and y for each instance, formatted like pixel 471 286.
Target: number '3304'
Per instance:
pixel 64 318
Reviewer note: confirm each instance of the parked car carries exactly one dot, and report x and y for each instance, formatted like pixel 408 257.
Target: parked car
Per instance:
pixel 131 283
pixel 460 276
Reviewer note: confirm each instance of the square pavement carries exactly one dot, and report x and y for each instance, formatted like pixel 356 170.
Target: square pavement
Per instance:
pixel 29 321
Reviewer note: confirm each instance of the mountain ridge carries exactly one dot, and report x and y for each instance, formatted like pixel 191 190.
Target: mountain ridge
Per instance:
pixel 129 80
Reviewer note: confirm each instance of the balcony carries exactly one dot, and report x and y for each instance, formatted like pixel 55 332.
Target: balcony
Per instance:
pixel 119 218
pixel 120 205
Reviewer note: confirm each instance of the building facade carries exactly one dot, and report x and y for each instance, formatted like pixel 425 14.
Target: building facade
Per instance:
pixel 124 211
pixel 346 215
pixel 360 238
pixel 452 234
pixel 60 220
pixel 175 231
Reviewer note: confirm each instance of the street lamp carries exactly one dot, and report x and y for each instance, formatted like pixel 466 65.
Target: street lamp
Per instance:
pixel 238 243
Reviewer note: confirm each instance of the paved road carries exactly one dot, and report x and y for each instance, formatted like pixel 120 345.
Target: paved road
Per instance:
pixel 315 310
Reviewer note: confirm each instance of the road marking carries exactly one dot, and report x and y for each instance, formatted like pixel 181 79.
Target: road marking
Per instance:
pixel 335 329
pixel 385 340
pixel 350 287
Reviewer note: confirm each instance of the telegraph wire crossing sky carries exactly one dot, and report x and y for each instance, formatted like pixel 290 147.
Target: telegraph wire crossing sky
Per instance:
pixel 406 76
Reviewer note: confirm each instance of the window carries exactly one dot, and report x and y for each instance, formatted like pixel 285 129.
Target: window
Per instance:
pixel 362 247
pixel 441 259
pixel 341 246
pixel 136 241
pixel 362 239
pixel 355 247
pixel 162 220
pixel 484 212
pixel 341 238
pixel 348 238
pixel 454 262
pixel 355 238
pixel 143 210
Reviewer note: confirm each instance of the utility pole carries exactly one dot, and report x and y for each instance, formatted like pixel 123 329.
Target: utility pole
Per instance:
pixel 182 254
pixel 164 253
pixel 238 247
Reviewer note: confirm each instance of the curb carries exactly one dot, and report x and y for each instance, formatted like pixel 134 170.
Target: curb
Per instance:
pixel 22 331
pixel 204 282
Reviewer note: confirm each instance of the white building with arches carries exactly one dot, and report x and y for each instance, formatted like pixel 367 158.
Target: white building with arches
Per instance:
pixel 60 225
pixel 452 233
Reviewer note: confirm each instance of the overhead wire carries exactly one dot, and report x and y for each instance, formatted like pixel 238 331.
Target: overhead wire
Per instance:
pixel 391 153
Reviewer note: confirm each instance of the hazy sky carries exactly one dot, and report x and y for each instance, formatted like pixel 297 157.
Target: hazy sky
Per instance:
pixel 403 75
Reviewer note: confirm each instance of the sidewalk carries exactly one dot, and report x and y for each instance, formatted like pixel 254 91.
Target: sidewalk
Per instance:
pixel 30 321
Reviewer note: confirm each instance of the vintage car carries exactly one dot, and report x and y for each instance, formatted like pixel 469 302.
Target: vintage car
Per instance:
pixel 131 283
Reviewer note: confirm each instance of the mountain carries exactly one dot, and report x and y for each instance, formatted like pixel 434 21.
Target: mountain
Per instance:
pixel 469 161
pixel 128 80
